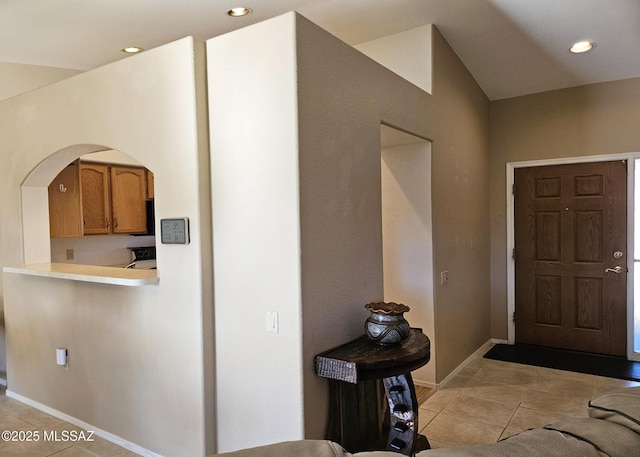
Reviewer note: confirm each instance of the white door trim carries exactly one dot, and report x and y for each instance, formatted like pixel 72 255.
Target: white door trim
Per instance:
pixel 511 286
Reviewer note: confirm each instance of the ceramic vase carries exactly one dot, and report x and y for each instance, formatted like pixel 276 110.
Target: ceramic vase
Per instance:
pixel 386 325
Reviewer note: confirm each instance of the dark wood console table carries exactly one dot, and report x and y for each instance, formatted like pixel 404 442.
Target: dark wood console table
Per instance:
pixel 359 417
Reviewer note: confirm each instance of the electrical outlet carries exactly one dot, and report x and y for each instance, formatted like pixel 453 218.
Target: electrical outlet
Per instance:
pixel 444 277
pixel 70 254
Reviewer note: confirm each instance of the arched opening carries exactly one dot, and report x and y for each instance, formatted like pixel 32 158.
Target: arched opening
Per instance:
pixel 47 235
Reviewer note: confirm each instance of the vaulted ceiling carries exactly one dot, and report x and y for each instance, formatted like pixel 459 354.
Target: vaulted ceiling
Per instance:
pixel 512 47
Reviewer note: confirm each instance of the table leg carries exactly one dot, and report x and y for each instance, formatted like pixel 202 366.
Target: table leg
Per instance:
pixel 355 415
pixel 403 412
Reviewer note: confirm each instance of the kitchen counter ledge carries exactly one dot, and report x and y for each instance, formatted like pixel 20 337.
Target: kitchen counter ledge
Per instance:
pixel 89 273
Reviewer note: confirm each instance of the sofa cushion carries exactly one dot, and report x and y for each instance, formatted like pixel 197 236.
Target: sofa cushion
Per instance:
pixel 610 438
pixel 621 406
pixel 303 448
pixel 530 443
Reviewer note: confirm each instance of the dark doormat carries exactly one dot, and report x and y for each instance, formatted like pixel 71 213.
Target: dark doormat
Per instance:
pixel 561 359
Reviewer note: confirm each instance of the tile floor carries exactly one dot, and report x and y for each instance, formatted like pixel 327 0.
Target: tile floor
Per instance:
pixel 488 400
pixel 16 416
pixel 484 402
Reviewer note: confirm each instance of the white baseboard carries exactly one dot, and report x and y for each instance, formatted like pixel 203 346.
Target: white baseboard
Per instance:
pixel 83 425
pixel 431 385
pixel 481 350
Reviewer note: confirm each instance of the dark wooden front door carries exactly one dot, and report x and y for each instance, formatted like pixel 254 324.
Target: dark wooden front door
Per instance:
pixel 570 235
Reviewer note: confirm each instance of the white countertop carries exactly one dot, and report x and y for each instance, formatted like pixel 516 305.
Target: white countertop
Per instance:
pixel 89 273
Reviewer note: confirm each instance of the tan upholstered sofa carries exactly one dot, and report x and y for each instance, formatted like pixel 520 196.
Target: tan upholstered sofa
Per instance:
pixel 612 430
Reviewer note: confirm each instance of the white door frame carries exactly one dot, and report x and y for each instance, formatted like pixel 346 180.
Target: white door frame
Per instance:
pixel 511 287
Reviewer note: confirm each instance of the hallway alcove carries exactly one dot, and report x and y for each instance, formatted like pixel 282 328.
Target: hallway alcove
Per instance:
pixel 407 245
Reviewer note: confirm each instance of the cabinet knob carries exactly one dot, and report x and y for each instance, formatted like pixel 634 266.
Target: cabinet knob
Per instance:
pixel 115 221
pixel 106 222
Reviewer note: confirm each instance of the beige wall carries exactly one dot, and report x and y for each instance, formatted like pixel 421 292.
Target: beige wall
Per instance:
pixel 409 54
pixel 407 240
pixel 296 163
pixel 18 78
pixel 343 98
pixel 141 358
pixel 296 185
pixel 582 121
pixel 460 189
pixel 458 124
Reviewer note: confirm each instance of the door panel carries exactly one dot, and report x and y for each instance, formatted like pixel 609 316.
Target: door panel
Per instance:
pixel 95 198
pixel 128 197
pixel 569 221
pixel 65 205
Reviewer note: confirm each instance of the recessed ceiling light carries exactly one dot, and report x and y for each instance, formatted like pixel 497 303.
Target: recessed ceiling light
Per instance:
pixel 132 49
pixel 582 46
pixel 238 12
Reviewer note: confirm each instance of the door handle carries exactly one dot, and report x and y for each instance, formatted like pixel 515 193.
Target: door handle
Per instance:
pixel 617 269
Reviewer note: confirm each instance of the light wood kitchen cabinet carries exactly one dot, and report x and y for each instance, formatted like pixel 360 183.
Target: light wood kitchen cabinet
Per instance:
pixel 128 197
pixel 65 210
pixel 96 194
pixel 99 199
pixel 150 185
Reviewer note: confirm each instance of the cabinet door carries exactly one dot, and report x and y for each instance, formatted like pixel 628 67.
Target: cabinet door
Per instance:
pixel 128 197
pixel 65 208
pixel 150 184
pixel 96 207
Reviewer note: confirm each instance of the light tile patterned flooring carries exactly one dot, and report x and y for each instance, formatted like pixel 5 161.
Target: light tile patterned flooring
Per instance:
pixel 488 400
pixel 16 416
pixel 485 401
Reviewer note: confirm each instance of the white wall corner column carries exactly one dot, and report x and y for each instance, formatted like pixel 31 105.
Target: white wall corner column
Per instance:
pixel 255 193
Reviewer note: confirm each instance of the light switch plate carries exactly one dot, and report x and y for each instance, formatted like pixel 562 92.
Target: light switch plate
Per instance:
pixel 272 322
